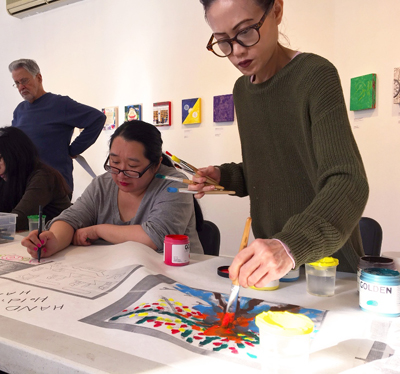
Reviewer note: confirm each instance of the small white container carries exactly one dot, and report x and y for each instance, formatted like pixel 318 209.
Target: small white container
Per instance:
pixel 284 342
pixel 292 276
pixel 321 276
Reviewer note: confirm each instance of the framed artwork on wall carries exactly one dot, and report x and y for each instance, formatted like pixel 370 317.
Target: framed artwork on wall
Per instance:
pixel 396 86
pixel 191 111
pixel 133 112
pixel 162 113
pixel 111 113
pixel 363 92
pixel 223 108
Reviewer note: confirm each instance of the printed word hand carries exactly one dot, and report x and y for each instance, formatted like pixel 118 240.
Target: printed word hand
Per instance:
pixel 47 242
pixel 261 262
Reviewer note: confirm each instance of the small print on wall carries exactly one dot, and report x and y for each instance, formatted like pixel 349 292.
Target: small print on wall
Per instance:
pixel 223 108
pixel 191 111
pixel 111 113
pixel 133 112
pixel 162 113
pixel 396 86
pixel 363 92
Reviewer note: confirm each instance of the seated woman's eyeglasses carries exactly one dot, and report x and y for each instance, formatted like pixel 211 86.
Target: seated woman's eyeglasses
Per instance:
pixel 128 173
pixel 247 38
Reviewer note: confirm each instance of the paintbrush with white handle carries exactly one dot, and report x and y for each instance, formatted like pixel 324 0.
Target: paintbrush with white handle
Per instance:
pixel 232 302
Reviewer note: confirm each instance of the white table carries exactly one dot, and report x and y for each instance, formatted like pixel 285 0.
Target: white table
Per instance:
pixel 30 344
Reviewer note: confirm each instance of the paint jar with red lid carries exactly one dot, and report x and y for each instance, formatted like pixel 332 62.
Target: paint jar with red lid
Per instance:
pixel 176 250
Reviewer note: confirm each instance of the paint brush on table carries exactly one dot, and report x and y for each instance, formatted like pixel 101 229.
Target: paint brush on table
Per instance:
pixel 233 298
pixel 39 252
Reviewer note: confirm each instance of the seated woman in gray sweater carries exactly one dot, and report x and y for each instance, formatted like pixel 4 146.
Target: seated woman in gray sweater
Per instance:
pixel 127 203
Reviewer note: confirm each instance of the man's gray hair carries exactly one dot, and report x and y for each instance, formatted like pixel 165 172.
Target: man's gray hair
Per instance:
pixel 29 65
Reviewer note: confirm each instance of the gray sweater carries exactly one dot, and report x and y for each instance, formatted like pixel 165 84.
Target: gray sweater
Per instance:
pixel 160 212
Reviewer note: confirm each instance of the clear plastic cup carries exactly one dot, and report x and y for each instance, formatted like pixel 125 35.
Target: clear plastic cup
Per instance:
pixel 284 342
pixel 34 222
pixel 321 276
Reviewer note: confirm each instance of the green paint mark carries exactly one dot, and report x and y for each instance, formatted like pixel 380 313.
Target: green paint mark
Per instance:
pixel 186 333
pixel 209 339
pixel 222 346
pixel 240 345
pixel 189 340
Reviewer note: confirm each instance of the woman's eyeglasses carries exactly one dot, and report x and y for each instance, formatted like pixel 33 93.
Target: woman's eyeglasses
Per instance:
pixel 128 173
pixel 247 38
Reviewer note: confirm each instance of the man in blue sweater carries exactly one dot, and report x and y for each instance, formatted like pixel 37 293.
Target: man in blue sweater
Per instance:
pixel 49 119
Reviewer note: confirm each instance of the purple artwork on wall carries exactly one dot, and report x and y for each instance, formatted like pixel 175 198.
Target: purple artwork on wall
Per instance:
pixel 223 108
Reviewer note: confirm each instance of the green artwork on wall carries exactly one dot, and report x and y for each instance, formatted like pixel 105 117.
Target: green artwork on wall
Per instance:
pixel 363 92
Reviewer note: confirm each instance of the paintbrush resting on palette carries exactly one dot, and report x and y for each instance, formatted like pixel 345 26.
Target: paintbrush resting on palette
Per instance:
pixel 213 192
pixel 233 297
pixel 192 170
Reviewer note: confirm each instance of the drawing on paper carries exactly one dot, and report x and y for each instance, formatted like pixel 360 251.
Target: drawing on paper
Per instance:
pixel 191 111
pixel 82 280
pixel 223 108
pixel 363 92
pixel 162 114
pixel 111 118
pixel 191 318
pixel 133 112
pixel 396 86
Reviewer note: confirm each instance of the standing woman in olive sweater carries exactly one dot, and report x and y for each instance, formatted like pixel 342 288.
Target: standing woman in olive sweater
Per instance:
pixel 301 167
pixel 26 182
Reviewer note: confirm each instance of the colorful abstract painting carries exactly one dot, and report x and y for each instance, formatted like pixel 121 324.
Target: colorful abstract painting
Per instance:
pixel 162 113
pixel 191 318
pixel 223 108
pixel 191 111
pixel 396 86
pixel 363 92
pixel 133 112
pixel 111 118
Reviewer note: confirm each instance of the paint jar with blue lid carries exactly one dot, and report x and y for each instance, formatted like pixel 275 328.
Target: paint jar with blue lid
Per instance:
pixel 380 291
pixel 291 276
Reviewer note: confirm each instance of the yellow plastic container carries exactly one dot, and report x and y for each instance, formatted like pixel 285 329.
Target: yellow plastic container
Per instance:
pixel 321 276
pixel 284 341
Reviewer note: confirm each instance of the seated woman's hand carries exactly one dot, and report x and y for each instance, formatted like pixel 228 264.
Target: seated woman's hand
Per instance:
pixel 261 262
pixel 85 236
pixel 200 179
pixel 47 241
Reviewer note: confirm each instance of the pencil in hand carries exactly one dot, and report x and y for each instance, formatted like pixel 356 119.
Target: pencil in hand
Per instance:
pixel 40 231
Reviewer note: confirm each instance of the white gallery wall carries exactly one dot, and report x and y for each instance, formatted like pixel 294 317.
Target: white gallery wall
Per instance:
pixel 122 52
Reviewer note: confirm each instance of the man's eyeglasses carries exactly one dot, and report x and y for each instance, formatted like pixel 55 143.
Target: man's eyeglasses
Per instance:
pixel 22 82
pixel 128 173
pixel 247 37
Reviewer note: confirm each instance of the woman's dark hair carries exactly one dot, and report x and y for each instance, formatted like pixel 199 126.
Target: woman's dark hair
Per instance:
pixel 150 137
pixel 21 159
pixel 263 4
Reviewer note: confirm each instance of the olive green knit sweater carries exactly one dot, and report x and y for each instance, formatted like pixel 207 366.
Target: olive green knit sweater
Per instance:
pixel 301 166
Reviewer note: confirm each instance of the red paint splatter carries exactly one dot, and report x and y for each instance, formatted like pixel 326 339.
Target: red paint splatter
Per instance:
pixel 197 337
pixel 234 350
pixel 170 323
pixel 158 324
pixel 183 326
pixel 174 331
pixel 125 310
pixel 217 344
pixel 250 344
pixel 160 308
